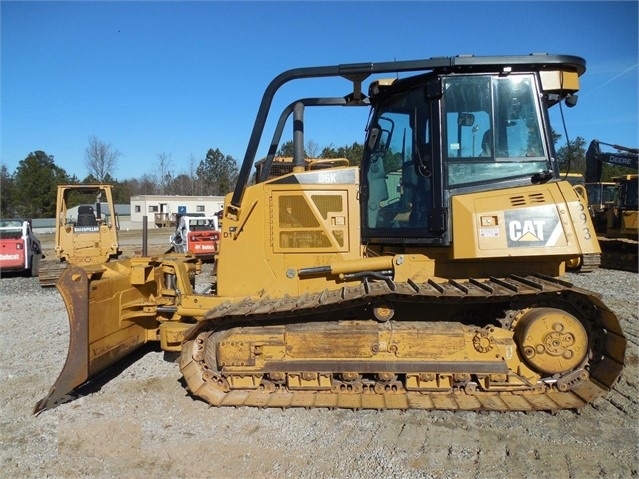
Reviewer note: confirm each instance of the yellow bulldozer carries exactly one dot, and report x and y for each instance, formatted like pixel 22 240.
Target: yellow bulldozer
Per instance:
pixel 86 230
pixel 428 277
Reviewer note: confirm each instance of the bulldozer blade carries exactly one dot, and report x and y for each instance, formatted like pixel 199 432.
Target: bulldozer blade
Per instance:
pixel 74 288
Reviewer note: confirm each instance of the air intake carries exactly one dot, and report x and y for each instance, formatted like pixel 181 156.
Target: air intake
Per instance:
pixel 531 199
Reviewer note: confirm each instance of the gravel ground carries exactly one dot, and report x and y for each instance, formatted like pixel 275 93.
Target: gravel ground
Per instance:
pixel 141 422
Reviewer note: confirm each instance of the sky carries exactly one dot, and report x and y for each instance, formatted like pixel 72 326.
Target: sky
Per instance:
pixel 175 79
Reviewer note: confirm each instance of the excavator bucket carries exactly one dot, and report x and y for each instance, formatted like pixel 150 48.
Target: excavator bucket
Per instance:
pixel 74 287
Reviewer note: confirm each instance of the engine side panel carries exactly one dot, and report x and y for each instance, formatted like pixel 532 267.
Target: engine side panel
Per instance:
pixel 302 220
pixel 548 221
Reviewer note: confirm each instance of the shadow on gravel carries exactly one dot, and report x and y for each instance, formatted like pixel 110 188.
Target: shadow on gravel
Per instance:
pixel 15 274
pixel 95 384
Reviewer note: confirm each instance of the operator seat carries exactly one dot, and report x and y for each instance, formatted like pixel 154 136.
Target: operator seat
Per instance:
pixel 86 217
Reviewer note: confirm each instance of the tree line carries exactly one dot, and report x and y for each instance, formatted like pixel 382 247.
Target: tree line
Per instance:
pixel 30 191
pixel 572 159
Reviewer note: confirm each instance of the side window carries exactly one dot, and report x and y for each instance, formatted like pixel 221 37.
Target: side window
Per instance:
pixel 631 197
pixel 609 193
pixel 398 169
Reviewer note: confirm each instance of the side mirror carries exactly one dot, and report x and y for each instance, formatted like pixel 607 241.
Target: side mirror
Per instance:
pixel 571 100
pixel 466 119
pixel 373 138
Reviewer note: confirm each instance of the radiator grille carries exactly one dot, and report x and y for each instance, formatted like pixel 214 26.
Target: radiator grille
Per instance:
pixel 315 221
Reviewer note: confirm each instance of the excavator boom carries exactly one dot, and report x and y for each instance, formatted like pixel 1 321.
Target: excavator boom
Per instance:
pixel 595 159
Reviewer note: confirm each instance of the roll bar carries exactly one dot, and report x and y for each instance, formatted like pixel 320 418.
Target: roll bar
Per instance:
pixel 358 72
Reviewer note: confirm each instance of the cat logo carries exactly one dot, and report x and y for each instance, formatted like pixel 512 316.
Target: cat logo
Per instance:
pixel 538 226
pixel 528 230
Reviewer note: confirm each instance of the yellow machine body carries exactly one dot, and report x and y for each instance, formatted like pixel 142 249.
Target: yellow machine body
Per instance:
pixel 330 289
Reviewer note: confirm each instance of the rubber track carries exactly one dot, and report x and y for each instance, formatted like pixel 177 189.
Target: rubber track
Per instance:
pixel 513 290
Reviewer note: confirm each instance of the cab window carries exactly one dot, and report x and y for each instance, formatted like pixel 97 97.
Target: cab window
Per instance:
pixel 396 169
pixel 492 129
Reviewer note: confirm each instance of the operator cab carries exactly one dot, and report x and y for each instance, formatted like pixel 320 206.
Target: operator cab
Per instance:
pixel 490 135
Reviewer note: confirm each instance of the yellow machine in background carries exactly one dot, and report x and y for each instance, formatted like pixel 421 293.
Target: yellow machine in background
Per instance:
pixel 86 230
pixel 425 278
pixel 619 238
pixel 621 217
pixel 601 196
pixel 613 204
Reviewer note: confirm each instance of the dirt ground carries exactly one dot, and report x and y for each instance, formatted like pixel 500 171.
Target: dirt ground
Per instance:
pixel 139 421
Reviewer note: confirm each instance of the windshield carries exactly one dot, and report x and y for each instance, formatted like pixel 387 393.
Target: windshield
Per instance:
pixel 492 129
